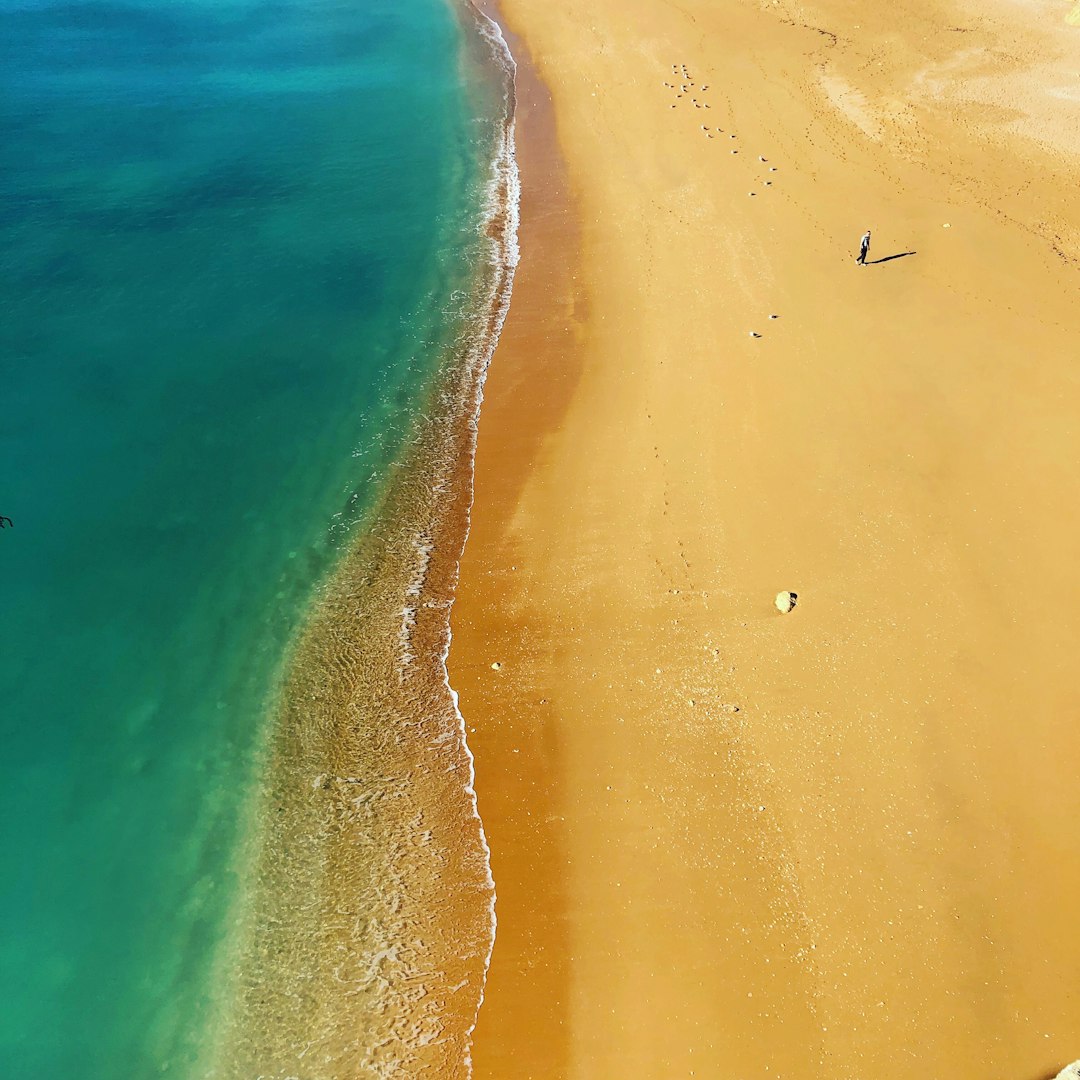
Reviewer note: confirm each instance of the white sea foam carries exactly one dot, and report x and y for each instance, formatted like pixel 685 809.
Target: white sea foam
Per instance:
pixel 424 547
pixel 503 202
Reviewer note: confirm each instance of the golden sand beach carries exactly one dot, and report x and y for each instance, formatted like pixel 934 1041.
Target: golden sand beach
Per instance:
pixel 727 842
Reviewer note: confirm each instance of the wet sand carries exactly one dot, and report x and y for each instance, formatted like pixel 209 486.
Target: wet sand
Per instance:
pixel 727 842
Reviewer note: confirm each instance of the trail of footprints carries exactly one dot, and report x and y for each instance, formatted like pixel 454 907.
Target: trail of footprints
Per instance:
pixel 684 87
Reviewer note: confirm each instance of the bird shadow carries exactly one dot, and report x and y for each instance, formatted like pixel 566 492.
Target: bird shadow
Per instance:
pixel 889 258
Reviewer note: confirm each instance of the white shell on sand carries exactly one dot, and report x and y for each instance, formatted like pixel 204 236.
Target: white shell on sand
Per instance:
pixel 1070 1072
pixel 785 601
pixel 496 666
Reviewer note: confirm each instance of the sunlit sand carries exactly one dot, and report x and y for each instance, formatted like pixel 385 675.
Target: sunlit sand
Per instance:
pixel 734 835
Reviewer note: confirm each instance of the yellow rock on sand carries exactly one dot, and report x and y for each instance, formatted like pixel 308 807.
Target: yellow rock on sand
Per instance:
pixel 785 601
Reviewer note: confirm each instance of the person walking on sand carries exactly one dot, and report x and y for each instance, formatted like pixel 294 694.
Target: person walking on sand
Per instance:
pixel 864 248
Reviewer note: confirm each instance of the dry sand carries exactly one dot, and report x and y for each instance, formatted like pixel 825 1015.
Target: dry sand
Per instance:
pixel 838 843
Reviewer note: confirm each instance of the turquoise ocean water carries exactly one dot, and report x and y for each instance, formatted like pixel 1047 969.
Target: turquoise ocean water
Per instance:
pixel 228 232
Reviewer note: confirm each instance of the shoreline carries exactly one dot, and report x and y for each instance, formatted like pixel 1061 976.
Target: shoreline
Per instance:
pixel 536 373
pixel 366 947
pixel 728 841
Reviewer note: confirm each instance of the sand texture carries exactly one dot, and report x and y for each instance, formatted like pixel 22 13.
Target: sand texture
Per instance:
pixel 837 841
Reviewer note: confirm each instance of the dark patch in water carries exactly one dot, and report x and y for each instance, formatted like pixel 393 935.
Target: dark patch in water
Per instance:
pixel 61 270
pixel 235 182
pixel 162 27
pixel 351 279
pixel 136 34
pixel 234 185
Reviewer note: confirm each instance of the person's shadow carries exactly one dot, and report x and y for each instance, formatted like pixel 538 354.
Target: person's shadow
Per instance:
pixel 889 258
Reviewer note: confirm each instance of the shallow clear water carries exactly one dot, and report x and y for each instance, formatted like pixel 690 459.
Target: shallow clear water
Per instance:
pixel 227 233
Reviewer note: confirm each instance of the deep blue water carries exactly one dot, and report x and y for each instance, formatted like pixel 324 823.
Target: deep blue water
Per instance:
pixel 226 232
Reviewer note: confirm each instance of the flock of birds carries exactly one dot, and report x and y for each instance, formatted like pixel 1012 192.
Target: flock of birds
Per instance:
pixel 685 86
